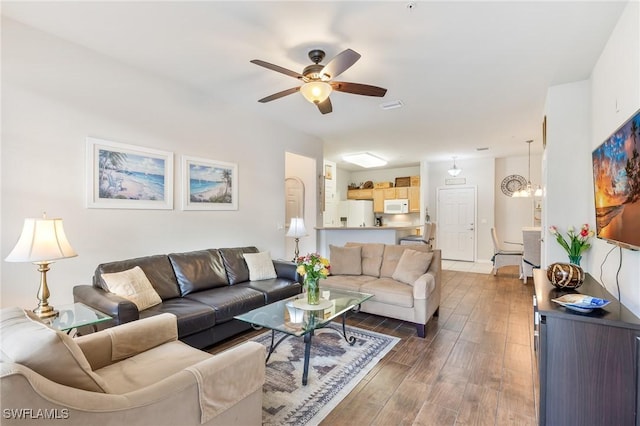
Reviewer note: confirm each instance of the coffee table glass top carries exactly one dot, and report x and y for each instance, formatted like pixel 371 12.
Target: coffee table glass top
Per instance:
pixel 285 316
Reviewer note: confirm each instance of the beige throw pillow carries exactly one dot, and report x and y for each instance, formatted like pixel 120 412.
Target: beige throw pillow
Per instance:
pixel 260 266
pixel 371 257
pixel 133 285
pixel 345 260
pixel 411 266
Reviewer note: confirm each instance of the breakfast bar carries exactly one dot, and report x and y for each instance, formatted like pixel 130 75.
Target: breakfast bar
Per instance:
pixel 339 236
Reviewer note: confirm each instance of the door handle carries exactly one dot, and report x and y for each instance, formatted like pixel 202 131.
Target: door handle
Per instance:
pixel 470 229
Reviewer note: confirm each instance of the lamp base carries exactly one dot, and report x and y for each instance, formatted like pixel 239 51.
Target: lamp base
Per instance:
pixel 45 312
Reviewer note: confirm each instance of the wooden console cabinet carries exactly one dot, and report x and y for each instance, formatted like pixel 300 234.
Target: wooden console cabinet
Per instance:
pixel 588 363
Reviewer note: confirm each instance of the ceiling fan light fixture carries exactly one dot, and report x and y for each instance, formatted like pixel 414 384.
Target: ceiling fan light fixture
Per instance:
pixel 316 91
pixel 365 160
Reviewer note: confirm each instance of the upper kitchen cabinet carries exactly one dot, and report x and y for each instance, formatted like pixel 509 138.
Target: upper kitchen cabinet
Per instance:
pixel 414 199
pixel 360 194
pixel 412 193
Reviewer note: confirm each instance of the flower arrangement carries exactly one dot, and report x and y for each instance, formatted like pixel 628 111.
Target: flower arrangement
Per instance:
pixel 313 266
pixel 578 242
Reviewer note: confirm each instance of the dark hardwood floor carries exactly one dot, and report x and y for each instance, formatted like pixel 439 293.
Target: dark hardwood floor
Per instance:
pixel 476 365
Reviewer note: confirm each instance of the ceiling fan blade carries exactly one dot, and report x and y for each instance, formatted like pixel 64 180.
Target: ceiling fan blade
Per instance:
pixel 277 68
pixel 358 89
pixel 279 95
pixel 339 64
pixel 325 106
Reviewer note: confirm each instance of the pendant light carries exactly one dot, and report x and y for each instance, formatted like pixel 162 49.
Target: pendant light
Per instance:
pixel 528 191
pixel 454 171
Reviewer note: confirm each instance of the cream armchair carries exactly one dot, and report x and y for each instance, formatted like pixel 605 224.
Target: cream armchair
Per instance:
pixel 133 374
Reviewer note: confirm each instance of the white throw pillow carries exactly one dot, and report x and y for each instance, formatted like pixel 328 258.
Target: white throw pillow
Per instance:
pixel 411 266
pixel 133 285
pixel 260 266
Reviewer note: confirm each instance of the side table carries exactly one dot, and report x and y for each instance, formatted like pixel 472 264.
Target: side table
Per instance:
pixel 76 315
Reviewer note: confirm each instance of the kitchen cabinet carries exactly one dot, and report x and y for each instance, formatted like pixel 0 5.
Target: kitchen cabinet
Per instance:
pixel 360 194
pixel 414 199
pixel 389 193
pixel 412 193
pixel 402 192
pixel 378 200
pixel 587 362
pixel 381 194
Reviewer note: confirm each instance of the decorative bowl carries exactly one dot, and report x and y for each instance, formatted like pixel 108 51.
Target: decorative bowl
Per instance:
pixel 565 275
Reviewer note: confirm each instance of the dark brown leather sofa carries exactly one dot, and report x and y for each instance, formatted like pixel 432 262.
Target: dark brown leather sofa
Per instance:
pixel 205 289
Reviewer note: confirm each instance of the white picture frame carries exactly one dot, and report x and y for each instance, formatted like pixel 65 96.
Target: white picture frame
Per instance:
pixel 209 184
pixel 122 176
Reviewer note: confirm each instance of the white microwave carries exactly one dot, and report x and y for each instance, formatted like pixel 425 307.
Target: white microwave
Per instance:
pixel 398 206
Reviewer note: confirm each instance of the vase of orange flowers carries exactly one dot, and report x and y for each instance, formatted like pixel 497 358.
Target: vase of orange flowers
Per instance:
pixel 313 267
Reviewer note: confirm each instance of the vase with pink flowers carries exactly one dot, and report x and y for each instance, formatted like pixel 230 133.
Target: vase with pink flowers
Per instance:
pixel 578 242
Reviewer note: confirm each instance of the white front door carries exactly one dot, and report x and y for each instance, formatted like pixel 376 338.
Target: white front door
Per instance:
pixel 457 223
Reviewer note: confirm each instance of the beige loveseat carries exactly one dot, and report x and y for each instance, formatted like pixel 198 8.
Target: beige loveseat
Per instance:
pixel 132 374
pixel 404 279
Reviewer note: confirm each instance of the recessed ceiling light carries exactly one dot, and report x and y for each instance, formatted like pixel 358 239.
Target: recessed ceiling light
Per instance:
pixel 392 105
pixel 365 160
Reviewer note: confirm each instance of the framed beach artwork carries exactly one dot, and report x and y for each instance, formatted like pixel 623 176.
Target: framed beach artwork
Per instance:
pixel 209 184
pixel 124 176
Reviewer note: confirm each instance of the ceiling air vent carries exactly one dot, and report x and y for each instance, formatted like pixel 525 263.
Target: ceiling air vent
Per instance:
pixel 392 105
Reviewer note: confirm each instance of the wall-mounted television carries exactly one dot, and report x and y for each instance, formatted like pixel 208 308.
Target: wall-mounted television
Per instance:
pixel 616 184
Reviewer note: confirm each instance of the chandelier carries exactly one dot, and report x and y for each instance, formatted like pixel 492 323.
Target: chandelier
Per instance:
pixel 527 191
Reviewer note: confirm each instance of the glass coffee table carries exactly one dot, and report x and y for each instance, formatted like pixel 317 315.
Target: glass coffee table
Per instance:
pixel 294 317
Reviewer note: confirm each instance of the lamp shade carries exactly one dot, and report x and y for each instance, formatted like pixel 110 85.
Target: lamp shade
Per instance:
pixel 316 91
pixel 296 228
pixel 41 240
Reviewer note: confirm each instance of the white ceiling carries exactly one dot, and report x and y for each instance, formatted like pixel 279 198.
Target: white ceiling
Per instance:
pixel 470 74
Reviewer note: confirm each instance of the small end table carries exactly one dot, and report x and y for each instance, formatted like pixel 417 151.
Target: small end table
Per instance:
pixel 76 315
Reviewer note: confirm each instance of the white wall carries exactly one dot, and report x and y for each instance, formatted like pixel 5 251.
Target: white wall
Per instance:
pixel 580 116
pixel 568 193
pixel 615 90
pixel 55 94
pixel 512 214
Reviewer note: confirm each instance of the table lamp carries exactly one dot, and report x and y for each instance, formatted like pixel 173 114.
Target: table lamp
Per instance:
pixel 42 242
pixel 296 230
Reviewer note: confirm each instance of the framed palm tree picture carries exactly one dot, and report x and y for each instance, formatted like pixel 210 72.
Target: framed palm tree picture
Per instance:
pixel 209 184
pixel 122 176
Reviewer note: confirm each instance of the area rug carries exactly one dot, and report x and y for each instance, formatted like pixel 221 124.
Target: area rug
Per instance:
pixel 335 368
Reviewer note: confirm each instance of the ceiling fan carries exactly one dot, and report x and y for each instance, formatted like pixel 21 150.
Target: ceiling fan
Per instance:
pixel 318 79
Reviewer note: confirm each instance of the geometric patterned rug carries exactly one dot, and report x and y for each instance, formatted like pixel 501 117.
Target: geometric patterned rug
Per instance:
pixel 335 368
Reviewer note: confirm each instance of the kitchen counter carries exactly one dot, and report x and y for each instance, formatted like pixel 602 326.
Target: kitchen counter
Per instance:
pixel 340 235
pixel 377 228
